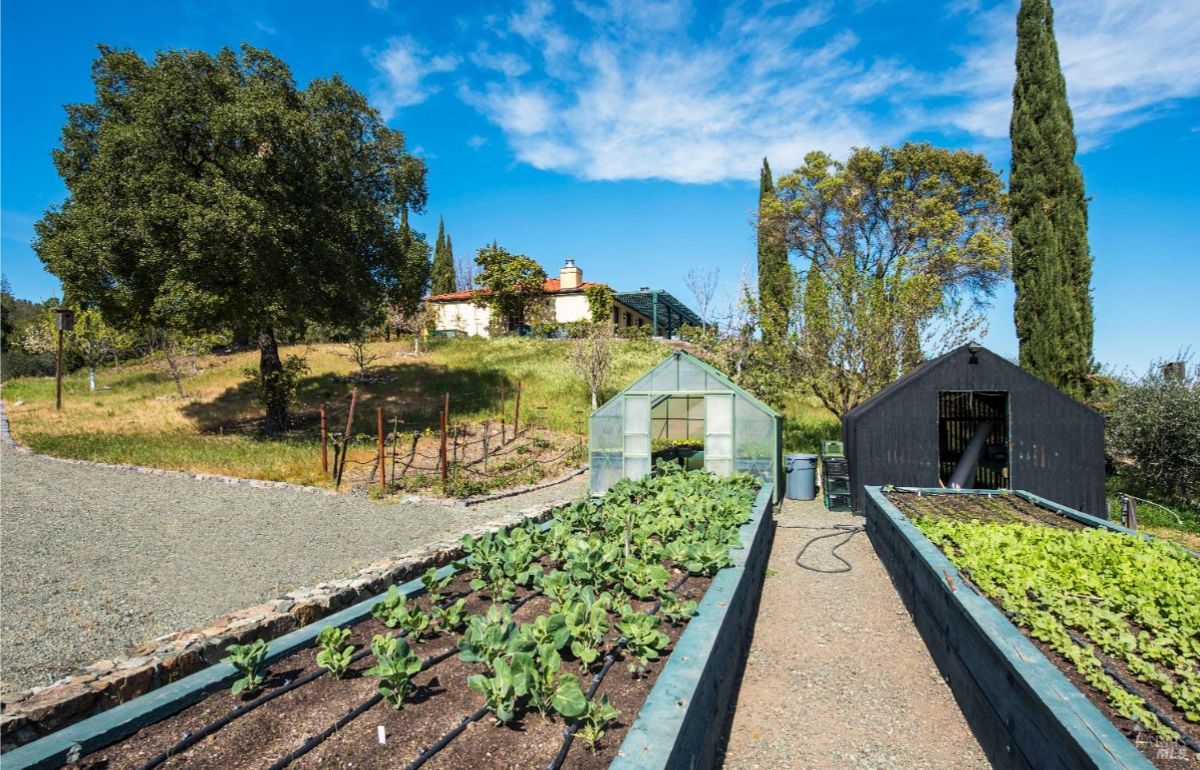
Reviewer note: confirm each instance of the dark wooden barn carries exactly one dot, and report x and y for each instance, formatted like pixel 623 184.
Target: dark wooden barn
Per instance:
pixel 1029 435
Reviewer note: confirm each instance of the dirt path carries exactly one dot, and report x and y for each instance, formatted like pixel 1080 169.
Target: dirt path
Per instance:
pixel 93 560
pixel 838 675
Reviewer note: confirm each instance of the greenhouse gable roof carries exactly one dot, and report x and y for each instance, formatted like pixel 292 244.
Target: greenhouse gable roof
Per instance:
pixel 686 366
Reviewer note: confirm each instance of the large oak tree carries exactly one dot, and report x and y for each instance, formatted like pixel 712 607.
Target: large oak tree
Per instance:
pixel 900 248
pixel 210 192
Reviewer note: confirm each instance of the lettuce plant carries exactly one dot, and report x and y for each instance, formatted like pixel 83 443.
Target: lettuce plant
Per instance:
pixel 643 641
pixel 600 713
pixel 248 660
pixel 333 653
pixel 395 665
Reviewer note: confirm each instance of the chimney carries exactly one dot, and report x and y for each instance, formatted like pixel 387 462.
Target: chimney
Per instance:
pixel 570 277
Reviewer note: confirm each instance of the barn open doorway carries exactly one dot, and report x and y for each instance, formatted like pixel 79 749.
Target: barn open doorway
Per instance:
pixel 981 415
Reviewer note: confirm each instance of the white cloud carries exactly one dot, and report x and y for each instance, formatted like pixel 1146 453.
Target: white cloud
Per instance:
pixel 1123 60
pixel 652 89
pixel 404 66
pixel 640 99
pixel 505 62
pixel 476 142
pixel 379 5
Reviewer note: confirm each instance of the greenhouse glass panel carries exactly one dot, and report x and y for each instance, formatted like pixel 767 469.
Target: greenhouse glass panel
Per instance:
pixel 754 441
pixel 692 377
pixel 718 433
pixel 637 436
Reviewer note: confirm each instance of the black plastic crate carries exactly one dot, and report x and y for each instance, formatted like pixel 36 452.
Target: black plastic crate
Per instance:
pixel 837 502
pixel 837 467
pixel 837 486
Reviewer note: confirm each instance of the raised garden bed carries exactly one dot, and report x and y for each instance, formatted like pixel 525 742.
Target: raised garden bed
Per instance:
pixel 559 640
pixel 1068 641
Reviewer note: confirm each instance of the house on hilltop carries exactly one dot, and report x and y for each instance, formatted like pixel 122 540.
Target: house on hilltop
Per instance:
pixel 566 302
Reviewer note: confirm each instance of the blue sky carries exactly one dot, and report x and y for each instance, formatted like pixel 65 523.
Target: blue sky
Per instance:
pixel 628 135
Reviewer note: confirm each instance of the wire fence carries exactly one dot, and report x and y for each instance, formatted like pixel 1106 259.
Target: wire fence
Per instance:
pixel 432 451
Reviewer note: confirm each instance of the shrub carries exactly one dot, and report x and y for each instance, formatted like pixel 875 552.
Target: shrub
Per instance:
pixel 1153 437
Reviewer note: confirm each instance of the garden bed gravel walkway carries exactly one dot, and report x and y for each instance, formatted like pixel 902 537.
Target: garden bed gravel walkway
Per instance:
pixel 93 560
pixel 838 675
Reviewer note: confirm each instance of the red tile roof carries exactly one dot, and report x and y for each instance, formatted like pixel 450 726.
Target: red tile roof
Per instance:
pixel 551 286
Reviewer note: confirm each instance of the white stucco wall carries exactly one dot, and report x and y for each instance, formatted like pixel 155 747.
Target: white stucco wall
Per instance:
pixel 474 321
pixel 466 317
pixel 571 307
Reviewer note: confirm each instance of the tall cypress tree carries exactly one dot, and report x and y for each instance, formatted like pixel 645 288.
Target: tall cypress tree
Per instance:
pixel 1052 265
pixel 774 273
pixel 444 280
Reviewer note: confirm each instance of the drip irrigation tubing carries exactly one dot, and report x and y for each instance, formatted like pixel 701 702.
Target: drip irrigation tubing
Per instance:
pixel 365 706
pixel 844 531
pixel 1129 688
pixel 609 659
pixel 193 738
pixel 427 752
pixel 320 737
pixel 353 714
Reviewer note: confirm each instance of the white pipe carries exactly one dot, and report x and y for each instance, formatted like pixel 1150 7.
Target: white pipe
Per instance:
pixel 964 472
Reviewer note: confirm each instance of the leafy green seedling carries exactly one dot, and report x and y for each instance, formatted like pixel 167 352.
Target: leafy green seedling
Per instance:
pixel 395 611
pixel 451 616
pixel 333 653
pixel 434 585
pixel 487 636
pixel 248 660
pixel 644 642
pixel 395 665
pixel 674 611
pixel 498 690
pixel 600 713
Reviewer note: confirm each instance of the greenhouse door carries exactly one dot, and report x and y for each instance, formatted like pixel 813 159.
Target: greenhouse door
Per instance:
pixel 718 433
pixel 637 436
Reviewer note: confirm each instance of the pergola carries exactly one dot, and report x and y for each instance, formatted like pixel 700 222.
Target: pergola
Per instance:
pixel 666 313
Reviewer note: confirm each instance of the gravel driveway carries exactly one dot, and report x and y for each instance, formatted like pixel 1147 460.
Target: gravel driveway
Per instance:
pixel 838 675
pixel 94 560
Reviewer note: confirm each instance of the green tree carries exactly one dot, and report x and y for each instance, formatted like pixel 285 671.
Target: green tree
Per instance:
pixel 511 285
pixel 93 341
pixel 600 301
pixel 1052 265
pixel 774 273
pixel 210 193
pixel 1151 432
pixel 444 280
pixel 902 247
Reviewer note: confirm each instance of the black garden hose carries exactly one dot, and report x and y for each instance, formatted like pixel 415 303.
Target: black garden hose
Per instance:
pixel 844 531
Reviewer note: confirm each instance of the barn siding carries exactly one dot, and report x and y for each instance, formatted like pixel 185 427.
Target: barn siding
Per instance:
pixel 1056 444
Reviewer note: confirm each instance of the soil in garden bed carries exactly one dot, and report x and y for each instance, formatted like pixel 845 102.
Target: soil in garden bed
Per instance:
pixel 1002 508
pixel 1011 509
pixel 272 730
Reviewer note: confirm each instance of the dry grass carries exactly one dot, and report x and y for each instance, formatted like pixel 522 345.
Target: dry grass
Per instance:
pixel 137 418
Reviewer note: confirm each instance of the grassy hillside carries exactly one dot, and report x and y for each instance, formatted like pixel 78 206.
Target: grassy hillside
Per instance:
pixel 136 416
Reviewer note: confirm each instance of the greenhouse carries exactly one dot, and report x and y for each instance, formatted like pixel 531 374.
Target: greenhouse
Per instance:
pixel 684 410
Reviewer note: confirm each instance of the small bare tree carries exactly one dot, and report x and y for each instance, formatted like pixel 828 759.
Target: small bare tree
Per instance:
pixel 180 353
pixel 358 353
pixel 464 273
pixel 703 285
pixel 416 321
pixel 591 358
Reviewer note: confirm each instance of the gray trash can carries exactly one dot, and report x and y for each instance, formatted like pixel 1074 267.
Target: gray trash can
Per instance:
pixel 801 476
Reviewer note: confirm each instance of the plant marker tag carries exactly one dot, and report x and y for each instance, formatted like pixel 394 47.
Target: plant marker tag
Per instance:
pixel 382 735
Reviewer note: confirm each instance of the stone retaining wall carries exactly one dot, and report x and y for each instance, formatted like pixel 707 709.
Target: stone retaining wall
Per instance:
pixel 36 712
